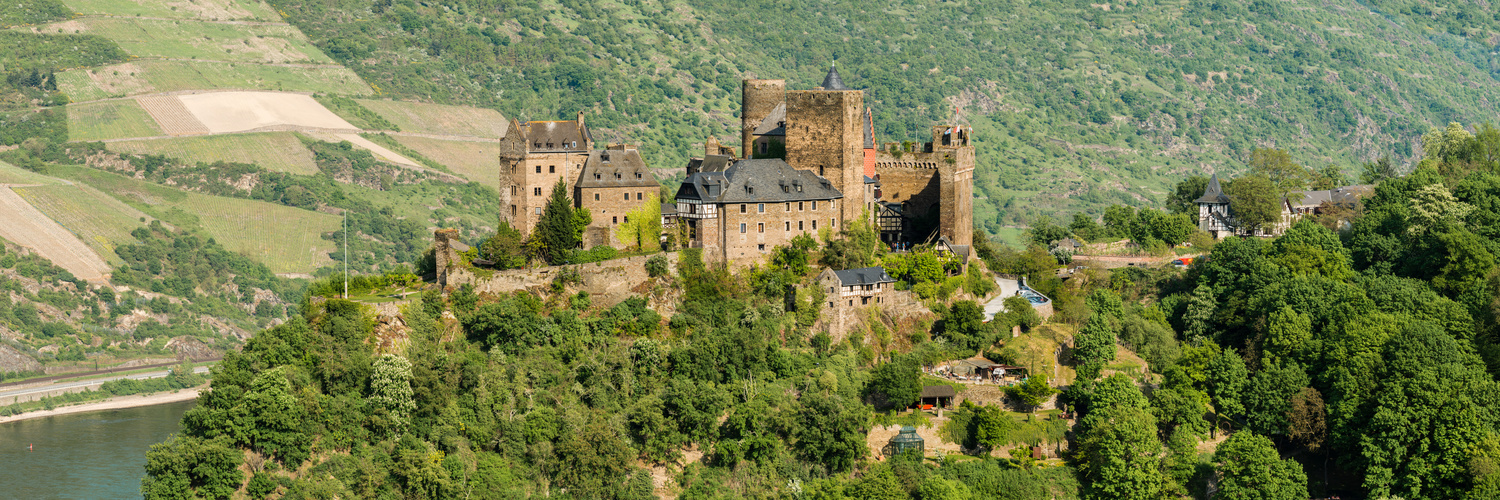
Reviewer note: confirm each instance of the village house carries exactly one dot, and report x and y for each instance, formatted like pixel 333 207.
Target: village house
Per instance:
pixel 848 290
pixel 1217 219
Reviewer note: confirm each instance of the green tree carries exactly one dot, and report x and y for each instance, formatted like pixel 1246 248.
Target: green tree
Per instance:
pixel 1379 170
pixel 1086 229
pixel 1254 202
pixel 390 390
pixel 992 427
pixel 1197 320
pixel 1180 409
pixel 1033 392
pixel 964 326
pixel 506 248
pixel 1093 347
pixel 184 467
pixel 556 232
pixel 1434 209
pixel 832 430
pixel 1120 455
pixel 1226 381
pixel 1287 334
pixel 1269 395
pixel 642 227
pixel 896 383
pixel 1276 165
pixel 1183 197
pixel 1043 231
pixel 858 245
pixel 1250 469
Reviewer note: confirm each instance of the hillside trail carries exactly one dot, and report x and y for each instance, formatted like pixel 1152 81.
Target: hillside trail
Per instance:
pixel 25 225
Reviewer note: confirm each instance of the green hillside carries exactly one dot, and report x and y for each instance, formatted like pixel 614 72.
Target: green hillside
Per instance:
pixel 1079 104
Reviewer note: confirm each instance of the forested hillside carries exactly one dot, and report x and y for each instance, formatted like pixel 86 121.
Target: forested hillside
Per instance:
pixel 1359 363
pixel 1078 104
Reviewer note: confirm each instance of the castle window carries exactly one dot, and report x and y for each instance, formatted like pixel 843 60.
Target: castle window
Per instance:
pixel 596 196
pixel 761 227
pixel 742 208
pixel 749 190
pixel 799 226
pixel 820 171
pixel 833 203
pixel 761 247
pixel 815 204
pixel 788 225
pixel 536 191
pixel 597 176
pixel 551 169
pixel 637 175
pixel 851 302
pixel 512 190
pixel 815 224
pixel 761 208
pixel 512 210
pixel 800 206
pixel 614 220
pixel 763 148
pixel 549 145
pixel 627 219
pixel 539 210
pixel 864 300
pixel 638 196
pixel 789 206
pixel 538 169
pixel 617 176
pixel 742 228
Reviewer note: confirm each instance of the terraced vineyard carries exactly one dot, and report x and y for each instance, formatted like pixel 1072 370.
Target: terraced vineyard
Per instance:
pixel 97 219
pixel 11 174
pixel 208 10
pixel 147 76
pixel 121 119
pixel 279 151
pixel 438 119
pixel 474 160
pixel 186 39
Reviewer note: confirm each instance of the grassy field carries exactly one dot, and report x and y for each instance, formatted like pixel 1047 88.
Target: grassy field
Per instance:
pixel 439 119
pixel 11 174
pixel 211 10
pixel 475 161
pixel 279 151
pixel 185 39
pixel 110 120
pixel 144 76
pixel 286 239
pixel 100 221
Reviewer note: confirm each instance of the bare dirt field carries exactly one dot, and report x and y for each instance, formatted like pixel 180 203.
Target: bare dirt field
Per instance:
pixel 172 116
pixel 24 225
pixel 226 112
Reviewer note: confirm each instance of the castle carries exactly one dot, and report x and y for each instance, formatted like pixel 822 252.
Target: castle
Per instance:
pixel 608 182
pixel 803 147
pixel 808 161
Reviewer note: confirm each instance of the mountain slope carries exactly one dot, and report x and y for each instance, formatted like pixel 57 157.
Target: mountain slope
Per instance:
pixel 1079 104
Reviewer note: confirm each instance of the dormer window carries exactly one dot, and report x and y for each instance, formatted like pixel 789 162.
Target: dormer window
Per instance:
pixel 598 176
pixel 549 145
pixel 637 175
pixel 749 190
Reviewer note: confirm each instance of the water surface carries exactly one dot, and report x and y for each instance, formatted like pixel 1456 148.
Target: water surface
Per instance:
pixel 83 455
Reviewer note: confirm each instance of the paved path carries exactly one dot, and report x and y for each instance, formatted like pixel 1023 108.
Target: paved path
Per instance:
pixel 1008 288
pixel 34 393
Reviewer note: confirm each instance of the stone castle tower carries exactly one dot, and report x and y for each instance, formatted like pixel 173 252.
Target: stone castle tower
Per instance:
pixel 534 156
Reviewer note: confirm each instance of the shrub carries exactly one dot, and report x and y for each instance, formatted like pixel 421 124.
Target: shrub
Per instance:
pixel 656 266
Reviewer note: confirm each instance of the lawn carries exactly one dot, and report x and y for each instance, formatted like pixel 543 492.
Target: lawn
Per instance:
pixel 110 120
pixel 438 119
pixel 237 10
pixel 286 239
pixel 97 219
pixel 475 161
pixel 279 151
pixel 146 76
pixel 183 39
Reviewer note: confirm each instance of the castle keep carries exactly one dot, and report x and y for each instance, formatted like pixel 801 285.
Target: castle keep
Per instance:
pixel 914 193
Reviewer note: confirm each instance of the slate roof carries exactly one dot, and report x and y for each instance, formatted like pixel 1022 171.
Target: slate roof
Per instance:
pixel 1304 199
pixel 833 81
pixel 774 123
pixel 766 180
pixel 938 391
pixel 567 135
pixel 1346 194
pixel 668 209
pixel 608 168
pixel 863 276
pixel 1214 193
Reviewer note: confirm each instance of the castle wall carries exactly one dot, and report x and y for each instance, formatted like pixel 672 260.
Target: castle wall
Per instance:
pixel 776 226
pixel 824 135
pixel 530 182
pixel 608 283
pixel 758 98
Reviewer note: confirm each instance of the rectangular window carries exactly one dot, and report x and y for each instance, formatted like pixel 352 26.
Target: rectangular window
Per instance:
pixel 536 191
pixel 538 169
pixel 761 208
pixel 742 228
pixel 799 226
pixel 761 227
pixel 512 190
pixel 800 206
pixel 596 196
pixel 864 300
pixel 742 208
pixel 539 210
pixel 627 196
pixel 815 224
pixel 789 206
pixel 815 205
pixel 551 169
pixel 761 247
pixel 833 203
pixel 512 210
pixel 627 219
pixel 614 220
pixel 638 196
pixel 788 225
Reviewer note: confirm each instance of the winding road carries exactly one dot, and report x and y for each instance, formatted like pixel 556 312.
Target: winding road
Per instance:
pixel 65 386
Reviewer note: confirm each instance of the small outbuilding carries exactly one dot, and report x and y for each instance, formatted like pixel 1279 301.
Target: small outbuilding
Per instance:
pixel 939 396
pixel 906 440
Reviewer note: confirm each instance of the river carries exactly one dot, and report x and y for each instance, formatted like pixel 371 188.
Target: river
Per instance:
pixel 83 455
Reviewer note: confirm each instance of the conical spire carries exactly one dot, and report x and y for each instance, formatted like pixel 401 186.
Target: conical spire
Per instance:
pixel 833 81
pixel 1214 193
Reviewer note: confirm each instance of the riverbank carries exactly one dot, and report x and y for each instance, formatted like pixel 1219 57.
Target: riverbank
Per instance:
pixel 114 403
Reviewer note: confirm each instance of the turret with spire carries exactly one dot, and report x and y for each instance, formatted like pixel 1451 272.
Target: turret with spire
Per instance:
pixel 833 81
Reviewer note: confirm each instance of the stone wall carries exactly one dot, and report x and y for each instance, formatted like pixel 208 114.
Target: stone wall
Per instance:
pixel 759 98
pixel 825 135
pixel 608 208
pixel 608 283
